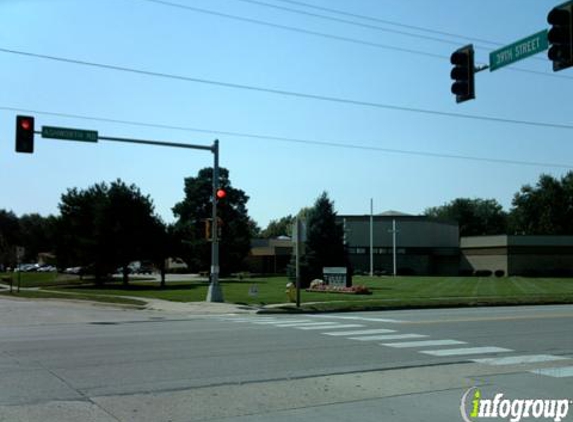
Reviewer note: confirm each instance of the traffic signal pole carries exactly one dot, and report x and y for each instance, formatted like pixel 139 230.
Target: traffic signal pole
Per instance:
pixel 215 293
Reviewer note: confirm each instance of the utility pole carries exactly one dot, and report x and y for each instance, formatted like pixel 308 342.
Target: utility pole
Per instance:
pixel 371 237
pixel 394 231
pixel 297 262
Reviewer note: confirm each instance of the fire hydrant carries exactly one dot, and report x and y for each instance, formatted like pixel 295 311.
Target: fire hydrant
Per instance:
pixel 291 292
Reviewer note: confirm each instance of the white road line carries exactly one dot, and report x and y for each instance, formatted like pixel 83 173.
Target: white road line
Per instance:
pixel 360 332
pixel 251 320
pixel 305 324
pixel 295 321
pixel 425 343
pixel 358 318
pixel 515 360
pixel 566 371
pixel 335 326
pixel 466 351
pixel 388 337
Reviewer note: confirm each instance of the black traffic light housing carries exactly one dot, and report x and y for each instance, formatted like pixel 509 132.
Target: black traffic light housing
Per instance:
pixel 463 73
pixel 25 134
pixel 560 36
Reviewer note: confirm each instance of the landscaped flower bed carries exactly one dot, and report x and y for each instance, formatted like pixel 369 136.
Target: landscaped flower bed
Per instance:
pixel 320 287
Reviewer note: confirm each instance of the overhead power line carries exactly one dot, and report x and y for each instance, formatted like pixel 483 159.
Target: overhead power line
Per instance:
pixel 349 22
pixel 292 94
pixel 334 144
pixel 333 36
pixel 378 27
pixel 296 29
pixel 389 22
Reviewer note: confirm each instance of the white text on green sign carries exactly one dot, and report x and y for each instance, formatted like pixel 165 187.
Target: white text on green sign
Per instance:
pixel 69 134
pixel 519 50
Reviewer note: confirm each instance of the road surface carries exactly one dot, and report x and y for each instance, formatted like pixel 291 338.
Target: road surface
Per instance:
pixel 75 362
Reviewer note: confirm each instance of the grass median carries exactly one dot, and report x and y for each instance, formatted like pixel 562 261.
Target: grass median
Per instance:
pixel 387 292
pixel 44 294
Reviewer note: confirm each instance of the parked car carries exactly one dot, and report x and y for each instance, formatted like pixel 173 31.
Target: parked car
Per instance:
pixel 73 270
pixel 26 268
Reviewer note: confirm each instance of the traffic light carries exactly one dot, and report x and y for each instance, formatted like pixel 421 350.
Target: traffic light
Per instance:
pixel 219 227
pixel 25 134
pixel 221 193
pixel 560 36
pixel 209 228
pixel 463 73
pixel 208 234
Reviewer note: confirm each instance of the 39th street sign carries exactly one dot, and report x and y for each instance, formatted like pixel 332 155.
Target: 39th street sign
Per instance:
pixel 519 50
pixel 69 134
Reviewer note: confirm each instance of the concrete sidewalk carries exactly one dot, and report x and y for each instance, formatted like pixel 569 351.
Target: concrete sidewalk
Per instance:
pixel 191 308
pixel 203 308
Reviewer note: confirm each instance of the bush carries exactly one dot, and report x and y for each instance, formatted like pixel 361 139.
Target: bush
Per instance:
pixel 483 273
pixel 499 273
pixel 406 271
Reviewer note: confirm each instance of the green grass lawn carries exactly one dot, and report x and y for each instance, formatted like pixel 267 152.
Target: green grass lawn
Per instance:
pixel 387 291
pixel 42 294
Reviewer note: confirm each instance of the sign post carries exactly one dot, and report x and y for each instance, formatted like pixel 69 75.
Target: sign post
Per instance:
pixel 20 252
pixel 519 50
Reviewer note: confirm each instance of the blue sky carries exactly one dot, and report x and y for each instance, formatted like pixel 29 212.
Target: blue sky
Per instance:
pixel 280 177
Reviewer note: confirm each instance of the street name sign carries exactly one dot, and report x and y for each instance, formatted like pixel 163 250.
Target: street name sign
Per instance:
pixel 69 134
pixel 519 50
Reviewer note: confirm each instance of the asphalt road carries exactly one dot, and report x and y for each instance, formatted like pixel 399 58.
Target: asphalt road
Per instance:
pixel 71 362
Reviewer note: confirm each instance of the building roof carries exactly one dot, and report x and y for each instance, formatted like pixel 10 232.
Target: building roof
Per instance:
pixel 392 213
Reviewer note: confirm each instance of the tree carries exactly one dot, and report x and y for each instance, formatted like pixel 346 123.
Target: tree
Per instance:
pixel 476 217
pixel 9 238
pixel 38 234
pixel 254 229
pixel 544 209
pixel 324 246
pixel 235 224
pixel 106 227
pixel 280 227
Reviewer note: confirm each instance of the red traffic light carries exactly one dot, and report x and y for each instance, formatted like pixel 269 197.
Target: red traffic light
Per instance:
pixel 25 134
pixel 221 194
pixel 26 124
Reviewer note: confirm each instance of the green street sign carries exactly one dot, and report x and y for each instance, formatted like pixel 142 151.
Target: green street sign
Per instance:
pixel 69 134
pixel 519 50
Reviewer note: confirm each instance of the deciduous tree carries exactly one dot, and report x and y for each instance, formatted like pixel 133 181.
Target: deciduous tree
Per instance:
pixel 235 224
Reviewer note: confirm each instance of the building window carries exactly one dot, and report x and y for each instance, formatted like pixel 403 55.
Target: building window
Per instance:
pixel 357 251
pixel 381 251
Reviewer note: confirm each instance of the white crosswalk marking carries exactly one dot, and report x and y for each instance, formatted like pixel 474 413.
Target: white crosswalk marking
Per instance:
pixel 296 321
pixel 563 372
pixel 388 337
pixel 335 326
pixel 360 332
pixel 250 319
pixel 516 360
pixel 305 324
pixel 466 351
pixel 359 318
pixel 424 343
